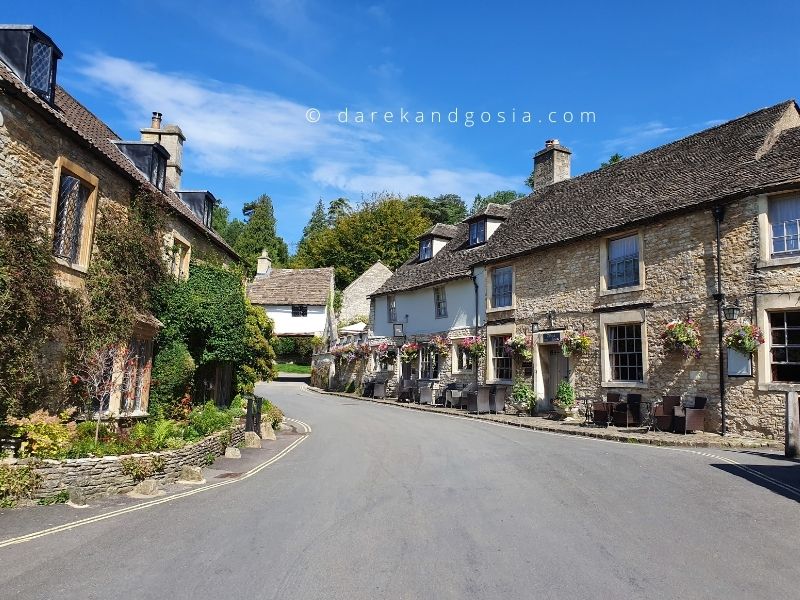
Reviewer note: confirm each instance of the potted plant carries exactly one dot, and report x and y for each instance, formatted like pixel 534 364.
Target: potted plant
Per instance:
pixel 409 352
pixel 522 397
pixel 574 343
pixel 475 345
pixel 564 402
pixel 520 346
pixel 745 339
pixel 386 352
pixel 440 343
pixel 682 335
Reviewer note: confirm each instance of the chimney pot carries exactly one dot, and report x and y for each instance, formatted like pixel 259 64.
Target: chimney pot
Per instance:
pixel 156 121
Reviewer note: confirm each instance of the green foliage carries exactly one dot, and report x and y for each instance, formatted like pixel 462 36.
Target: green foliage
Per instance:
pixel 126 270
pixel 614 158
pixel 207 313
pixel 447 208
pixel 292 368
pixel 259 233
pixel 351 387
pixel 258 363
pixel 32 308
pixel 230 230
pixel 499 197
pixel 318 221
pixel 337 209
pixel 16 482
pixel 384 229
pixel 565 395
pixel 57 498
pixel 140 468
pixel 209 459
pixel 301 347
pixel 173 372
pixel 207 419
pixel 522 394
pixel 338 299
pixel 271 413
pixel 46 435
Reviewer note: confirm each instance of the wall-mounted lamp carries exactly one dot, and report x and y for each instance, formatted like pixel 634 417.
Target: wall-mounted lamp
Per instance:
pixel 731 311
pixel 535 327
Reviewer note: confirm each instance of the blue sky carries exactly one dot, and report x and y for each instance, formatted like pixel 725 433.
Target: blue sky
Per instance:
pixel 239 80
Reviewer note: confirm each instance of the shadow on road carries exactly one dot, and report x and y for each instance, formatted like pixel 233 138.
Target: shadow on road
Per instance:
pixel 783 480
pixel 298 377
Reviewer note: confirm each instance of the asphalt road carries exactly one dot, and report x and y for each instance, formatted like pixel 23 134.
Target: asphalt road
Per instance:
pixel 381 502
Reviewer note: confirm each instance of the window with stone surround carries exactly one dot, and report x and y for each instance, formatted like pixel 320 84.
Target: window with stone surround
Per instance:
pixel 784 221
pixel 625 352
pixel 501 359
pixel 463 359
pixel 73 213
pixel 785 345
pixel 181 255
pixel 440 302
pixel 502 287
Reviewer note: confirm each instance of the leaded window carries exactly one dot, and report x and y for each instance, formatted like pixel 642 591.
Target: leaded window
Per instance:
pixel 40 70
pixel 477 232
pixel 785 345
pixel 502 279
pixel 73 195
pixel 299 310
pixel 440 302
pixel 784 221
pixel 501 359
pixel 625 352
pixel 623 262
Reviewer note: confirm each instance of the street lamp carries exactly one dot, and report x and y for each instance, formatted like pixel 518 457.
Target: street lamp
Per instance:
pixel 731 311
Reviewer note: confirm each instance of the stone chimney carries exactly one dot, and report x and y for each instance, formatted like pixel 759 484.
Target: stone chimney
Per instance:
pixel 264 264
pixel 172 138
pixel 551 164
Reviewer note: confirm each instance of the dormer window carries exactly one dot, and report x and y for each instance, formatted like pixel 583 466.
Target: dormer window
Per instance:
pixel 158 170
pixel 477 232
pixel 149 158
pixel 40 70
pixel 426 249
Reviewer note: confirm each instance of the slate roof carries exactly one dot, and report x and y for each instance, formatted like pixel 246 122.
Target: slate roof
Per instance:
pixel 67 113
pixel 292 286
pixel 492 210
pixel 441 230
pixel 731 160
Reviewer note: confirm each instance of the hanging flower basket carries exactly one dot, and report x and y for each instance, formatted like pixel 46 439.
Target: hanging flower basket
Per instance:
pixel 386 352
pixel 475 346
pixel 520 346
pixel 682 335
pixel 745 339
pixel 440 343
pixel 409 352
pixel 574 343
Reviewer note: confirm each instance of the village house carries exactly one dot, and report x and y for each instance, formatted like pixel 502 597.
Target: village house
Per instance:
pixel 704 229
pixel 63 165
pixel 299 301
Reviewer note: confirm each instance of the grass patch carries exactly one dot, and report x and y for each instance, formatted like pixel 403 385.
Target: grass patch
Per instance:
pixel 293 368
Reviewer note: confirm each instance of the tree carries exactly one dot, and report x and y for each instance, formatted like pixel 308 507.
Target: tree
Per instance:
pixel 385 229
pixel 446 208
pixel 338 208
pixel 614 158
pixel 317 222
pixel 228 229
pixel 499 197
pixel 259 234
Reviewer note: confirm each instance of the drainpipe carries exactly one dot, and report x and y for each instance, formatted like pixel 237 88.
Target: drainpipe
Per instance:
pixel 477 313
pixel 719 214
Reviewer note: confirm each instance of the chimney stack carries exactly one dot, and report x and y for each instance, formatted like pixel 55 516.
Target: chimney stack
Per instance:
pixel 264 264
pixel 172 138
pixel 551 164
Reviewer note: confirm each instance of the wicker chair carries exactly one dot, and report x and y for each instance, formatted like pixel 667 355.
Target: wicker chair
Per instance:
pixel 664 413
pixel 628 413
pixel 691 418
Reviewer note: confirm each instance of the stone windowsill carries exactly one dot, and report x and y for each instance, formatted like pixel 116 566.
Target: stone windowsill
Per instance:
pixel 72 267
pixel 622 290
pixel 788 261
pixel 639 385
pixel 778 387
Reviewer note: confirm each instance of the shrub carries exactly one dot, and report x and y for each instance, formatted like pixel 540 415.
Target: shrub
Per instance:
pixel 16 483
pixel 207 419
pixel 173 371
pixel 46 435
pixel 522 394
pixel 565 395
pixel 271 413
pixel 140 469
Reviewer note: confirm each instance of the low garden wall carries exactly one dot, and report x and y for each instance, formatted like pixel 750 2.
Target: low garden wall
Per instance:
pixel 106 475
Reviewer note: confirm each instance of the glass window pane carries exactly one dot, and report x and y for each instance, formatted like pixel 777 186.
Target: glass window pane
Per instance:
pixel 777 319
pixel 793 318
pixel 779 355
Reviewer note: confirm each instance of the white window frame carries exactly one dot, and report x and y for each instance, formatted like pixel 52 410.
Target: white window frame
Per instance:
pixel 456 351
pixel 506 330
pixel 426 249
pixel 604 274
pixel 476 239
pixel 626 317
pixel 391 308
pixel 766 304
pixel 440 302
pixel 490 288
pixel 766 258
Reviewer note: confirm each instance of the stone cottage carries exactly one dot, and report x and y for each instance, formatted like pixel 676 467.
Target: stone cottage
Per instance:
pixel 64 165
pixel 702 229
pixel 355 297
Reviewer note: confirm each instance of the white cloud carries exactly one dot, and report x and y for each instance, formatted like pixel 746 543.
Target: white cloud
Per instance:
pixel 639 137
pixel 379 13
pixel 291 15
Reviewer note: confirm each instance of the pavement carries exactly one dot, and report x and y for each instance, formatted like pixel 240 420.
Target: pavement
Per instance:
pixel 385 503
